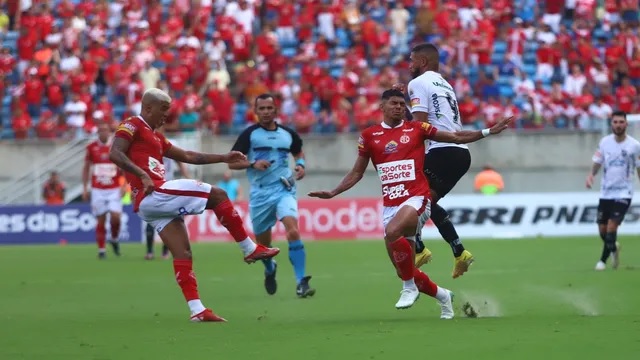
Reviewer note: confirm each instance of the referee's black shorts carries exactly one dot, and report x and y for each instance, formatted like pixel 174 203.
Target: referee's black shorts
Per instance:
pixel 445 166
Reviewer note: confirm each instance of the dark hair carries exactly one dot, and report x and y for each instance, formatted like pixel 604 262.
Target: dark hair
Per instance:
pixel 619 113
pixel 426 48
pixel 388 94
pixel 264 96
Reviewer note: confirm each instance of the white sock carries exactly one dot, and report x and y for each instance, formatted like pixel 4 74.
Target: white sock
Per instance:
pixel 247 246
pixel 102 250
pixel 409 284
pixel 195 306
pixel 442 294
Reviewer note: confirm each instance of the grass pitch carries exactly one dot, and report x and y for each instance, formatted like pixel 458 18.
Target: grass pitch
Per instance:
pixel 535 298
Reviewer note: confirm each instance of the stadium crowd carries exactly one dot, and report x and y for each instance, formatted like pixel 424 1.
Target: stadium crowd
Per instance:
pixel 66 65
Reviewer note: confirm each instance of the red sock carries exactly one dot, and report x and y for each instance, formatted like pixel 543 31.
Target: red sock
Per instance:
pixel 101 234
pixel 424 284
pixel 115 231
pixel 403 258
pixel 186 278
pixel 230 219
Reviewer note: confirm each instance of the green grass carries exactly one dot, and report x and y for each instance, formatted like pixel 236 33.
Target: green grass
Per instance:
pixel 536 298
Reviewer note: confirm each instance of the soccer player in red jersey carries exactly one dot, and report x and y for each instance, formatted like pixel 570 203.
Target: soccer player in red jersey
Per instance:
pixel 138 149
pixel 106 191
pixel 396 148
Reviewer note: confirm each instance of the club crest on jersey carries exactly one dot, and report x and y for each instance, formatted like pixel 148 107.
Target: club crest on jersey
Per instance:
pixel 391 147
pixel 405 139
pixel 156 167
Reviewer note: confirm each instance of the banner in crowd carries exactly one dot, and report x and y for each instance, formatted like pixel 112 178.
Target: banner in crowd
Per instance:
pixel 59 224
pixel 475 216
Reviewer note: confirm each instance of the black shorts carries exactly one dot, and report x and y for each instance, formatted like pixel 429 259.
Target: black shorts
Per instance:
pixel 445 166
pixel 612 209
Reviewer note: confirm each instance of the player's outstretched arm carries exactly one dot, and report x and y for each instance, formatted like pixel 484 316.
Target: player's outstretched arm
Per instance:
pixel 118 155
pixel 352 178
pixel 465 137
pixel 198 158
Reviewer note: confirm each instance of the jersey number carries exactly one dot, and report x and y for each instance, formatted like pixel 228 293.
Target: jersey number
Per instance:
pixel 454 108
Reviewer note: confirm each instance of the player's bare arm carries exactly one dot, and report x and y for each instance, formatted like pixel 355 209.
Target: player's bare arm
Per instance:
pixel 468 136
pixel 118 155
pixel 421 116
pixel 299 169
pixel 595 168
pixel 198 158
pixel 349 181
pixel 86 174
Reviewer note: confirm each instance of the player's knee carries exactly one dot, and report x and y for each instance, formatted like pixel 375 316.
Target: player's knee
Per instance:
pixel 439 215
pixel 216 196
pixel 393 233
pixel 293 234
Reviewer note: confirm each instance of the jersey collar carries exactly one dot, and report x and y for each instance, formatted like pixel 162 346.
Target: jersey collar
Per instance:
pixel 384 125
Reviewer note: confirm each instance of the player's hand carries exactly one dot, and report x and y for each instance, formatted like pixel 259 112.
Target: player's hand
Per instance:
pixel 261 165
pixel 322 194
pixel 299 172
pixel 589 181
pixel 399 86
pixel 501 125
pixel 85 195
pixel 233 156
pixel 147 184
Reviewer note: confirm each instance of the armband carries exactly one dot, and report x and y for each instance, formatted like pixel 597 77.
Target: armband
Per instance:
pixel 300 162
pixel 486 132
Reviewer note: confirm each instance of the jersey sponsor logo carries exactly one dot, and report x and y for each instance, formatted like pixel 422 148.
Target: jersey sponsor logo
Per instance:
pixel 391 147
pixel 436 105
pixel 407 130
pixel 377 133
pixel 405 139
pixel 394 192
pixel 156 167
pixel 127 127
pixel 397 171
pixel 105 173
pixel 442 85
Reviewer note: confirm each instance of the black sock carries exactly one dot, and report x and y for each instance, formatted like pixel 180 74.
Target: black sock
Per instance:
pixel 441 220
pixel 610 241
pixel 116 246
pixel 150 235
pixel 605 249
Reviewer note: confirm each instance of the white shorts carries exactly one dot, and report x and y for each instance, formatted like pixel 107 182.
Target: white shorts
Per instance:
pixel 420 203
pixel 106 200
pixel 174 199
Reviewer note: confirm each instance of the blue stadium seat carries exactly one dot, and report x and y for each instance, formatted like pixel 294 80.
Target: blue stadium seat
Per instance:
pixel 6 133
pixel 506 91
pixel 336 72
pixel 529 69
pixel 500 47
pixel 12 35
pixel 505 80
pixel 529 58
pixel 289 52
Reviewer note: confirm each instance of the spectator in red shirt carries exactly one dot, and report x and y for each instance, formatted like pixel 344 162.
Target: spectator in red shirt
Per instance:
pixel 47 125
pixel 20 123
pixel 626 95
pixel 304 120
pixel 33 93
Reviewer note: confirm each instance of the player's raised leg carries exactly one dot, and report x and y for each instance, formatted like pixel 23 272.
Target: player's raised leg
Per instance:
pixel 175 236
pixel 219 202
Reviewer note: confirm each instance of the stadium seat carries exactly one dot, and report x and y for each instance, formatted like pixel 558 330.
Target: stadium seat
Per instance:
pixel 506 91
pixel 289 52
pixel 530 70
pixel 500 47
pixel 529 58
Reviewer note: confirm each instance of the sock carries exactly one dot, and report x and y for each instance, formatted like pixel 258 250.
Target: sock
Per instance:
pixel 101 234
pixel 269 265
pixel 186 279
pixel 247 246
pixel 605 249
pixel 424 284
pixel 403 258
pixel 196 306
pixel 442 294
pixel 441 220
pixel 150 232
pixel 115 231
pixel 610 241
pixel 230 219
pixel 298 259
pixel 409 284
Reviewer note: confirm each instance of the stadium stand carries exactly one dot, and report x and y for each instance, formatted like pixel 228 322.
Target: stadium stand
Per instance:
pixel 66 65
